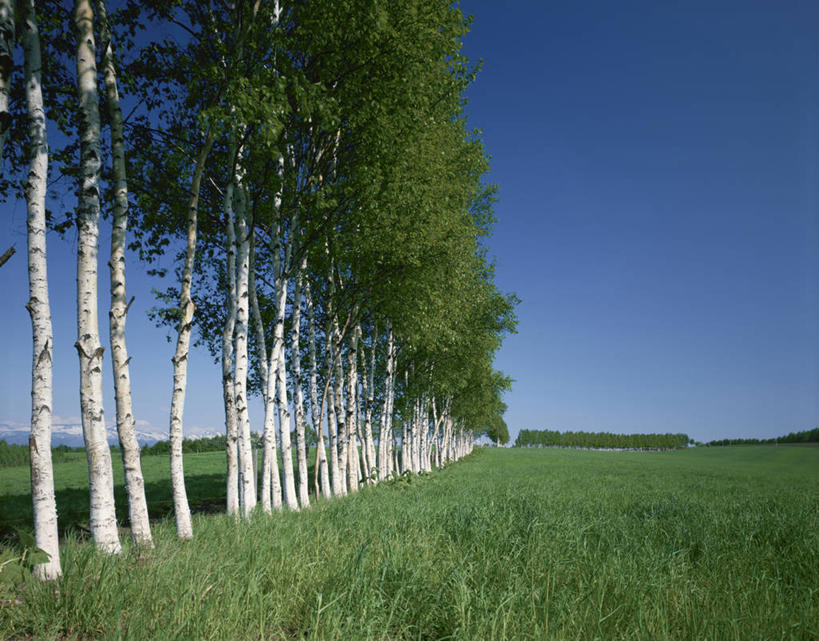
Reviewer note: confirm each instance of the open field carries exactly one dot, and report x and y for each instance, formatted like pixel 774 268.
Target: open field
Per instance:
pixel 717 543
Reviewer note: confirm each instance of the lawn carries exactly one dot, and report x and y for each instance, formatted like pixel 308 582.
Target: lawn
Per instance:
pixel 717 543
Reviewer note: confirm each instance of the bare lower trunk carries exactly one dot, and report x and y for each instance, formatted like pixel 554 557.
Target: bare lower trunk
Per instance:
pixel 42 472
pixel 277 387
pixel 414 438
pixel 352 384
pixel 341 435
pixel 405 448
pixel 247 496
pixel 288 480
pixel 271 482
pixel 134 483
pixel 271 491
pixel 385 463
pixel 100 475
pixel 228 361
pixel 7 38
pixel 321 456
pixel 364 419
pixel 184 528
pixel 368 412
pixel 332 438
pixel 298 396
pixel 332 421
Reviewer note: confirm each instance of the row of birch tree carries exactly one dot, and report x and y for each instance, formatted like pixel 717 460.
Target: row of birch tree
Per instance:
pixel 301 174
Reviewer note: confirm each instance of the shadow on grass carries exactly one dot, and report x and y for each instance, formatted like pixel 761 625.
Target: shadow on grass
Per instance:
pixel 206 494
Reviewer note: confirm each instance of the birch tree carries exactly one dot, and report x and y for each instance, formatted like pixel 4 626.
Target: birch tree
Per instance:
pixel 182 512
pixel 298 394
pixel 134 484
pixel 100 475
pixel 7 40
pixel 42 473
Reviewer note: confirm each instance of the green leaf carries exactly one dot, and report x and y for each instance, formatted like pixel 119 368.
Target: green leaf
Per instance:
pixel 26 539
pixel 37 556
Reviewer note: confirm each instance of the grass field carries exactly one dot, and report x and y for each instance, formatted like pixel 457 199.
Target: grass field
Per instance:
pixel 717 543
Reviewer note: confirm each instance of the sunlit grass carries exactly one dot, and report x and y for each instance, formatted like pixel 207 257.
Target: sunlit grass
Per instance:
pixel 525 544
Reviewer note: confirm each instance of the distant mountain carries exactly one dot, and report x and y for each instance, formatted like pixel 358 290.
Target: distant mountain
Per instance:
pixel 69 432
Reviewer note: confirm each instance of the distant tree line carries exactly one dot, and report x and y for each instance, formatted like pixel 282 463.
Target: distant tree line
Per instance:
pixel 602 440
pixel 807 436
pixel 11 454
pixel 189 446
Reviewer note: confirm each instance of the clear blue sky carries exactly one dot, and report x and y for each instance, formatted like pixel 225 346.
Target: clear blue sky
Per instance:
pixel 658 166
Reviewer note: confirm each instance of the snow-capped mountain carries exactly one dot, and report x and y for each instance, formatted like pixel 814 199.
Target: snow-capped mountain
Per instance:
pixel 68 431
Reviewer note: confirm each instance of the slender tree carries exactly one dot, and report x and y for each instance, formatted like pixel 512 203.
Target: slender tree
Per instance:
pixel 182 512
pixel 7 39
pixel 100 474
pixel 42 473
pixel 134 483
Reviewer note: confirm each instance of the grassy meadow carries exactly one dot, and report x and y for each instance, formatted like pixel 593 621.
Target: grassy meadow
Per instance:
pixel 710 543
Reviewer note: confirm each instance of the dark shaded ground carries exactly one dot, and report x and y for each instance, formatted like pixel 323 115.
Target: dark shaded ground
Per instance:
pixel 206 494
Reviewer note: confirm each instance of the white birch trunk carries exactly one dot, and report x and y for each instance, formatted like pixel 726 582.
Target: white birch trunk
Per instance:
pixel 7 42
pixel 247 482
pixel 134 483
pixel 332 431
pixel 337 478
pixel 298 395
pixel 100 474
pixel 42 472
pixel 182 512
pixel 423 425
pixel 277 383
pixel 352 380
pixel 271 481
pixel 365 428
pixel 260 341
pixel 405 447
pixel 368 414
pixel 364 470
pixel 228 361
pixel 288 484
pixel 271 491
pixel 321 457
pixel 385 462
pixel 341 435
pixel 333 426
pixel 416 439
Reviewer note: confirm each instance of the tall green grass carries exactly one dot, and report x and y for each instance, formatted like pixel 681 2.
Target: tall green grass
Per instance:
pixel 523 544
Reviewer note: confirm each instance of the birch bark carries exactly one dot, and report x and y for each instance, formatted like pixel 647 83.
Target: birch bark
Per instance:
pixel 364 421
pixel 134 483
pixel 321 456
pixel 341 435
pixel 288 484
pixel 277 384
pixel 368 412
pixel 100 475
pixel 298 395
pixel 228 361
pixel 260 341
pixel 246 474
pixel 7 38
pixel 332 419
pixel 415 437
pixel 352 384
pixel 42 472
pixel 271 481
pixel 184 528
pixel 385 462
pixel 405 448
